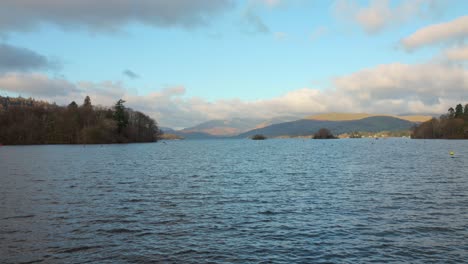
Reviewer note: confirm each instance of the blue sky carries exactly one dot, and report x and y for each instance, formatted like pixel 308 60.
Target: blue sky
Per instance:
pixel 251 52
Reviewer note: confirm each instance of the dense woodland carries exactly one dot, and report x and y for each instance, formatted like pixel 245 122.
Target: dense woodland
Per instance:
pixel 453 125
pixel 27 121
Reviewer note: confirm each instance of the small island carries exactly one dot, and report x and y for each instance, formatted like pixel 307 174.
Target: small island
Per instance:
pixel 258 137
pixel 324 133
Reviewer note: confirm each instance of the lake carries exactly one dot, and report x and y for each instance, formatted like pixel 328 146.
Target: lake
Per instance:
pixel 236 201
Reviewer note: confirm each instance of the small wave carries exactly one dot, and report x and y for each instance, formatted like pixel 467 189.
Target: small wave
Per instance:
pixel 76 249
pixel 32 261
pixel 432 229
pixel 144 234
pixel 18 217
pixel 112 221
pixel 133 200
pixel 118 231
pixel 7 232
pixel 267 212
pixel 296 173
pixel 127 182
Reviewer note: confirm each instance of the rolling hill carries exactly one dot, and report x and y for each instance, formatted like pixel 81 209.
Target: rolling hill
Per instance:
pixel 305 127
pixel 358 116
pixel 234 126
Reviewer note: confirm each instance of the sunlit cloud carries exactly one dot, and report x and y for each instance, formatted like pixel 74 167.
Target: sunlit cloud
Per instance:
pixel 448 32
pixel 381 14
pixel 36 84
pixel 458 53
pixel 387 89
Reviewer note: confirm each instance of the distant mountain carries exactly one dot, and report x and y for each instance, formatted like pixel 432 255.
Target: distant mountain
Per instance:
pixel 234 126
pixel 180 134
pixel 276 120
pixel 358 116
pixel 195 135
pixel 223 127
pixel 167 130
pixel 305 127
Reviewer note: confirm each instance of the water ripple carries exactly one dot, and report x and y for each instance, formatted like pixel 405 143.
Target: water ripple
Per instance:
pixel 236 201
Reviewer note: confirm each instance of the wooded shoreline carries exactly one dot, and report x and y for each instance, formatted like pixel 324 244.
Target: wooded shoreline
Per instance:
pixel 30 122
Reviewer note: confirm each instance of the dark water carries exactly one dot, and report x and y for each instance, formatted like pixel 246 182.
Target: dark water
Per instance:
pixel 236 201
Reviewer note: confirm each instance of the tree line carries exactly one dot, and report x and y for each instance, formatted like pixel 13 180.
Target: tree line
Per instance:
pixel 27 121
pixel 452 125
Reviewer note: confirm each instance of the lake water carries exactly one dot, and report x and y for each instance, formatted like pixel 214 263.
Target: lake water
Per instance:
pixel 236 201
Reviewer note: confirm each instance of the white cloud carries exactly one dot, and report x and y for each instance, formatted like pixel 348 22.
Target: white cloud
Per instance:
pixel 36 84
pixel 403 88
pixel 381 14
pixel 459 53
pixel 455 30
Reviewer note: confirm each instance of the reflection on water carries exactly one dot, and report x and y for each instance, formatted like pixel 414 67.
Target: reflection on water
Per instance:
pixel 236 201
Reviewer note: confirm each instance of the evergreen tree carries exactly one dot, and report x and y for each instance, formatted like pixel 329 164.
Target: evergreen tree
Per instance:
pixel 451 112
pixel 120 117
pixel 458 111
pixel 466 110
pixel 72 105
pixel 87 102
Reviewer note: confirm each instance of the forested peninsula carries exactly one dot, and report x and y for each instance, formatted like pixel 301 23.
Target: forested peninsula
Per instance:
pixel 453 125
pixel 28 122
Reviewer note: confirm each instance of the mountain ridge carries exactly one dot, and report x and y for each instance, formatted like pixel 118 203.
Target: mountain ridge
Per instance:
pixel 304 127
pixel 337 116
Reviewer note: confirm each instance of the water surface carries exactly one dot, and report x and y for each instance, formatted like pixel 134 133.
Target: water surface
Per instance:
pixel 236 201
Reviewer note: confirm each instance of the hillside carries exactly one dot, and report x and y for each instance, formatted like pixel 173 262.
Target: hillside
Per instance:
pixel 308 127
pixel 195 135
pixel 170 133
pixel 358 116
pixel 223 127
pixel 234 126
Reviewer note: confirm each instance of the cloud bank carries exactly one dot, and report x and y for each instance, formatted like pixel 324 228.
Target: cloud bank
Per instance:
pixel 404 86
pixel 389 89
pixel 107 15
